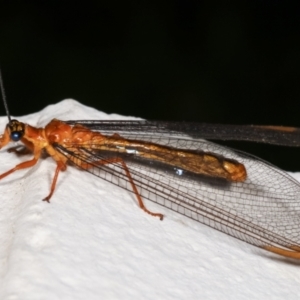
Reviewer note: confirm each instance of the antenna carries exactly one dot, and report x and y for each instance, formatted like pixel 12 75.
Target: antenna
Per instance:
pixel 4 97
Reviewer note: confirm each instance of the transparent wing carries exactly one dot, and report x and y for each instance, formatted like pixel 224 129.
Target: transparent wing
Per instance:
pixel 276 135
pixel 263 210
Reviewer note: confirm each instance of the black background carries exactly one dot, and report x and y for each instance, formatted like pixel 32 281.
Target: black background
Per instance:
pixel 235 62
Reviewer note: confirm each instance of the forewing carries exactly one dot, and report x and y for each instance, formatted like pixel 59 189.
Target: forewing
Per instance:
pixel 263 210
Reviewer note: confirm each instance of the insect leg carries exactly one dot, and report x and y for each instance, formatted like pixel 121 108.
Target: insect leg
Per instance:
pixel 19 150
pixel 59 167
pixel 22 150
pixel 115 160
pixel 23 165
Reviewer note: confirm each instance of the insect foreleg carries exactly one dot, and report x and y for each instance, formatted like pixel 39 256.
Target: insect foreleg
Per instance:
pixel 19 150
pixel 22 149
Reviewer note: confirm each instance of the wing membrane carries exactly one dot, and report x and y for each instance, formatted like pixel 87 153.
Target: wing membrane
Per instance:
pixel 264 210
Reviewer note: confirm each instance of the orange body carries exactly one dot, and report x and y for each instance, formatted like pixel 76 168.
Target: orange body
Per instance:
pixel 58 132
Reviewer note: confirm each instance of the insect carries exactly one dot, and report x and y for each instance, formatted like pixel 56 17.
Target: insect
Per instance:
pixel 170 164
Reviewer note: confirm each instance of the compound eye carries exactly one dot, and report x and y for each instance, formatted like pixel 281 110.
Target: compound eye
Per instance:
pixel 16 136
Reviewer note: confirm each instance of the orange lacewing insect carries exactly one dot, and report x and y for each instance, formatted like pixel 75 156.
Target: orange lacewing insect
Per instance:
pixel 170 164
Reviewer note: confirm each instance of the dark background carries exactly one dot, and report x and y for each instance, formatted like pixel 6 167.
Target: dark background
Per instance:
pixel 204 61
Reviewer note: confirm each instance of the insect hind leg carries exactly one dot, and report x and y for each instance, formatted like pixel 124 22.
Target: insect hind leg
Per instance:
pixel 118 160
pixel 59 167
